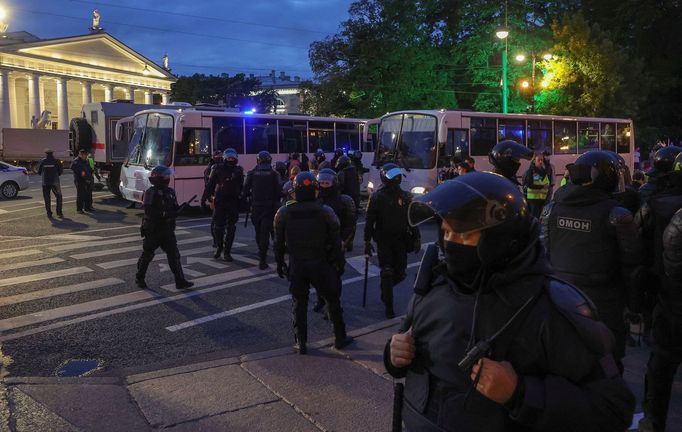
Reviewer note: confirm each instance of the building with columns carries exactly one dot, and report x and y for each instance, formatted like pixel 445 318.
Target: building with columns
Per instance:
pixel 57 76
pixel 288 91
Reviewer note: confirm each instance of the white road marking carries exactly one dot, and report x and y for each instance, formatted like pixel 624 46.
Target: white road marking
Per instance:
pixel 107 252
pixel 207 262
pixel 218 278
pixel 42 276
pixel 73 237
pixel 67 289
pixel 66 200
pixel 155 302
pixel 242 258
pixel 160 256
pixel 20 253
pixel 3 211
pixel 74 246
pixel 27 264
pixel 358 264
pixel 165 268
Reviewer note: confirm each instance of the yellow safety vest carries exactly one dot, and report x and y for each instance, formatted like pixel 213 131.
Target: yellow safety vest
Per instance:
pixel 539 194
pixel 564 181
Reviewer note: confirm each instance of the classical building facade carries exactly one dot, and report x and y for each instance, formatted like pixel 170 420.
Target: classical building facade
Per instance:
pixel 288 91
pixel 50 79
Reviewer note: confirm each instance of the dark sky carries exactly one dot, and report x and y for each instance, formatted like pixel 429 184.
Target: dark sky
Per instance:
pixel 205 36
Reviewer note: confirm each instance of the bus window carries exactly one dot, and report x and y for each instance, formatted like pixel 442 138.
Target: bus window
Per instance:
pixel 321 136
pixel 347 136
pixel 137 141
pixel 417 144
pixel 261 134
pixel 158 140
pixel 564 137
pixel 623 132
pixel 456 147
pixel 540 135
pixel 608 136
pixel 388 137
pixel 511 129
pixel 293 136
pixel 372 137
pixel 588 136
pixel 483 135
pixel 228 133
pixel 195 147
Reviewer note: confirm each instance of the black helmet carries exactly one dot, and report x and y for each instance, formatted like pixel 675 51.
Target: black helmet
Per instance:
pixel 506 157
pixel 338 152
pixel 305 187
pixel 319 155
pixel 625 179
pixel 480 201
pixel 342 162
pixel 390 174
pixel 597 167
pixel 328 182
pixel 160 175
pixel 281 168
pixel 357 155
pixel 264 157
pixel 217 154
pixel 230 155
pixel 664 161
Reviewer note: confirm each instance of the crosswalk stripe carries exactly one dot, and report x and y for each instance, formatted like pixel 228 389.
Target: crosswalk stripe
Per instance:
pixel 42 276
pixel 159 257
pixel 20 253
pixel 74 246
pixel 27 264
pixel 218 278
pixel 67 289
pixel 136 248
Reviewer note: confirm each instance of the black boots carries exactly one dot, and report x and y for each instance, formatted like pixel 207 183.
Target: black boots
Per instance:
pixel 139 281
pixel 300 347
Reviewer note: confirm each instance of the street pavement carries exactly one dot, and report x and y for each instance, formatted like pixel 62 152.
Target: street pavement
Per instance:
pixel 217 357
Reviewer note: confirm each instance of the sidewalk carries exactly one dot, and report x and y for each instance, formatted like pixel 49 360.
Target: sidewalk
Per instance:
pixel 326 390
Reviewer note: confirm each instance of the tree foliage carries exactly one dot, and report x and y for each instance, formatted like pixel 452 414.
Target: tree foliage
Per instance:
pixel 236 91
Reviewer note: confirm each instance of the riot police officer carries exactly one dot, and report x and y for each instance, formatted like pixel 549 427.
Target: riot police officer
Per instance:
pixel 661 220
pixel 83 179
pixel 592 242
pixel 50 169
pixel 343 207
pixel 281 168
pixel 225 184
pixel 386 224
pixel 348 179
pixel 491 341
pixel 158 227
pixel 320 157
pixel 309 232
pixel 337 154
pixel 262 184
pixel 506 158
pixel 663 161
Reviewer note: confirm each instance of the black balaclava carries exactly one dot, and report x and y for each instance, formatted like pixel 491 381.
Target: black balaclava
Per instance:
pixel 462 263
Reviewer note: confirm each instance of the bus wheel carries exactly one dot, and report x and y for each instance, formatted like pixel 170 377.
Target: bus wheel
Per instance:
pixel 81 134
pixel 114 180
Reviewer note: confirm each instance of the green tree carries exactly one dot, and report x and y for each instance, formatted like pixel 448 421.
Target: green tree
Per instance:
pixel 232 91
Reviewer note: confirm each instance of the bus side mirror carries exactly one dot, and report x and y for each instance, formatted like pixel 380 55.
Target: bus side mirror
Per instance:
pixel 119 131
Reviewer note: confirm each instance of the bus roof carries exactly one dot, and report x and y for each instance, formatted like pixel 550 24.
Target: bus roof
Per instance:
pixel 212 113
pixel 525 116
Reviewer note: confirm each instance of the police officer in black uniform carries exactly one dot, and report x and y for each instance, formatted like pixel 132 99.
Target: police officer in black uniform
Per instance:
pixel 262 184
pixel 661 220
pixel 593 242
pixel 386 224
pixel 215 160
pixel 321 159
pixel 309 232
pixel 506 158
pixel 348 179
pixel 158 227
pixel 225 185
pixel 82 177
pixel 337 154
pixel 663 161
pixel 50 169
pixel 541 360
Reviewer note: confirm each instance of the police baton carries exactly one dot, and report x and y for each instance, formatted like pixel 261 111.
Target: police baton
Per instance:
pixel 364 288
pixel 397 424
pixel 185 204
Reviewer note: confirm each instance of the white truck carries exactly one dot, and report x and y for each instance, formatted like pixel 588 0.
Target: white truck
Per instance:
pixel 27 147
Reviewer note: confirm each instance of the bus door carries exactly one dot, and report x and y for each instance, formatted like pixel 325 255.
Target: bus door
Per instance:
pixel 453 150
pixel 190 160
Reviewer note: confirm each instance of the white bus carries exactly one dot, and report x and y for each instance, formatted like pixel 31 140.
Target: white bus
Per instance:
pixel 185 138
pixel 423 142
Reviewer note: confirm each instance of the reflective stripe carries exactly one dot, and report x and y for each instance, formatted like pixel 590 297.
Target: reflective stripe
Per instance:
pixel 539 194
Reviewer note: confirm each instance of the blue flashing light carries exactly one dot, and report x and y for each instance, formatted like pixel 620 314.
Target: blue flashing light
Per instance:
pixel 251 111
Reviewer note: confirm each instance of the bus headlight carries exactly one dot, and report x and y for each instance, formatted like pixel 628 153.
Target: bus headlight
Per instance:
pixel 418 190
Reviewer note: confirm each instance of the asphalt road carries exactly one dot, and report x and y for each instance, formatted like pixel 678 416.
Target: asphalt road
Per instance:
pixel 67 292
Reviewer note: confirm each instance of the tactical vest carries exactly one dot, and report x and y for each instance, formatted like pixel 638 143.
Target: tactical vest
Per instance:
pixel 265 186
pixel 230 180
pixel 305 231
pixel 539 194
pixel 663 207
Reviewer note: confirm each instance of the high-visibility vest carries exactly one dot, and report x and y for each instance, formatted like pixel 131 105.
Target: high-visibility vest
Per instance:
pixel 539 194
pixel 564 181
pixel 91 162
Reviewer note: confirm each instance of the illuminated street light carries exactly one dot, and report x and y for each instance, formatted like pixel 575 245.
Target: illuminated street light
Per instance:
pixel 547 56
pixel 544 83
pixel 520 57
pixel 502 33
pixel 525 84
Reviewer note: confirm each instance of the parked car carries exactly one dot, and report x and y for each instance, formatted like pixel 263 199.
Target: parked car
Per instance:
pixel 12 180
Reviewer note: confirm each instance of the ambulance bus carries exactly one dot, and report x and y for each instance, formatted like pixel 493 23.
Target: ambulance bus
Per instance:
pixel 185 138
pixel 423 142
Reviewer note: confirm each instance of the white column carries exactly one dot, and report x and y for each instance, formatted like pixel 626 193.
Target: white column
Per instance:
pixel 5 116
pixel 13 102
pixel 148 97
pixel 108 92
pixel 87 92
pixel 129 93
pixel 165 98
pixel 33 98
pixel 62 104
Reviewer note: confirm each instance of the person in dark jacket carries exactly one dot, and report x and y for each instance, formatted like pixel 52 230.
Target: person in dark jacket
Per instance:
pixel 386 224
pixel 50 169
pixel 215 160
pixel 337 154
pixel 262 184
pixel 492 342
pixel 82 177
pixel 661 221
pixel 309 232
pixel 158 227
pixel 538 184
pixel 225 186
pixel 506 158
pixel 593 242
pixel 348 179
pixel 663 160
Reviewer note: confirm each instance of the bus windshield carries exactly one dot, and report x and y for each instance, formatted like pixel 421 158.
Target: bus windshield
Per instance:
pixel 152 141
pixel 409 140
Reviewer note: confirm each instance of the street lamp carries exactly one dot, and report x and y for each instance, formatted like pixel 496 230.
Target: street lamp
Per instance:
pixel 502 33
pixel 526 84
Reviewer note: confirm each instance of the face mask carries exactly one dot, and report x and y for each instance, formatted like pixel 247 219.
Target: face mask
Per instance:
pixel 462 261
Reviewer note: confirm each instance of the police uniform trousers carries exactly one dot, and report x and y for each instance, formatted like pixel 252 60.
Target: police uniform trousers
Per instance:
pixel 48 190
pixel 225 217
pixel 163 238
pixel 322 276
pixel 83 195
pixel 535 207
pixel 392 263
pixel 262 217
